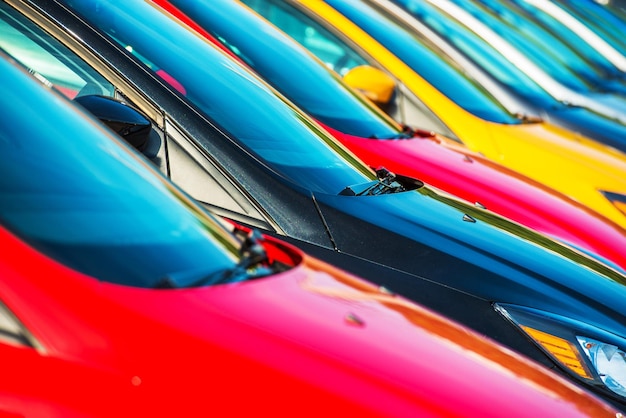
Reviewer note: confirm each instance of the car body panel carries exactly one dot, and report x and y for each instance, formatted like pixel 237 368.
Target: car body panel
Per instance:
pixel 258 354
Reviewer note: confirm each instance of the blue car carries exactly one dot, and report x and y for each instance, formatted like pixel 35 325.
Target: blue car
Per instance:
pixel 239 147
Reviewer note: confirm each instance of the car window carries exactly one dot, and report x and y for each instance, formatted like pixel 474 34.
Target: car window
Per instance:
pixel 310 34
pixel 73 191
pixel 167 147
pixel 288 67
pixel 233 97
pixel 449 79
pixel 405 107
pixel 50 61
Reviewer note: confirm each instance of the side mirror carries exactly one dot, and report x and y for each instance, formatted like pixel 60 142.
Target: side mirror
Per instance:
pixel 126 121
pixel 375 84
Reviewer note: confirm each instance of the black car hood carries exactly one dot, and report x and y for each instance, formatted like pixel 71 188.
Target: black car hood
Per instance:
pixel 432 234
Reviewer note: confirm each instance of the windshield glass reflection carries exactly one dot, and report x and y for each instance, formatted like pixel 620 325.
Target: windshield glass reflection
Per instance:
pixel 74 192
pixel 232 96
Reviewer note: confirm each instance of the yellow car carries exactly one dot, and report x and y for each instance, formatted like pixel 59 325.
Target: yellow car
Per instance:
pixel 577 166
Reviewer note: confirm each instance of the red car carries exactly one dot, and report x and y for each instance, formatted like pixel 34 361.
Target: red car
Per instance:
pixel 432 158
pixel 122 297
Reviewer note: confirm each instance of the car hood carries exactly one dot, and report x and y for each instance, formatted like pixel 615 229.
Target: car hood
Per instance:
pixel 313 331
pixel 441 237
pixel 570 163
pixel 447 165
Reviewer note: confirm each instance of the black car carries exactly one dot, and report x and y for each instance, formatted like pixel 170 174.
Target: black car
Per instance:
pixel 248 154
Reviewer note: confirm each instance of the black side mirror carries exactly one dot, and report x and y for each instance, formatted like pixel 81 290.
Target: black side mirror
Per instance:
pixel 126 121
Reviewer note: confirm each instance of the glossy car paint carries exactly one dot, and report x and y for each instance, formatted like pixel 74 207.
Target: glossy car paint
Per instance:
pixel 446 250
pixel 575 65
pixel 570 163
pixel 517 92
pixel 311 340
pixel 261 348
pixel 434 159
pixel 597 24
pixel 569 88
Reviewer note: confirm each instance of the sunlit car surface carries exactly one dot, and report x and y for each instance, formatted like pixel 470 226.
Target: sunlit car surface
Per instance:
pixel 558 82
pixel 147 309
pixel 282 173
pixel 563 55
pixel 519 93
pixel 599 24
pixel 431 158
pixel 575 165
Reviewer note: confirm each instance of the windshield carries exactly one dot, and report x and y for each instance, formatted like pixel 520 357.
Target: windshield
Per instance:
pixel 341 55
pixel 288 67
pixel 312 35
pixel 448 78
pixel 479 51
pixel 235 98
pixel 75 193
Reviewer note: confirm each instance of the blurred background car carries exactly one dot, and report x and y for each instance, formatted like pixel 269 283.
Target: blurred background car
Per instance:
pixel 589 22
pixel 519 93
pixel 560 43
pixel 566 86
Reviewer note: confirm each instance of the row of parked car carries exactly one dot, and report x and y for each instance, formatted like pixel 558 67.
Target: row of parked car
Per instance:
pixel 308 207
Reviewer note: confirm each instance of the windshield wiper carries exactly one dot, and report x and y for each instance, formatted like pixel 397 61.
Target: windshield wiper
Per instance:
pixel 407 133
pixel 385 184
pixel 253 264
pixel 526 118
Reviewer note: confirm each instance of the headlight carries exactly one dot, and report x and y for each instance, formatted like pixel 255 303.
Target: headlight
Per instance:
pixel 618 200
pixel 609 361
pixel 592 355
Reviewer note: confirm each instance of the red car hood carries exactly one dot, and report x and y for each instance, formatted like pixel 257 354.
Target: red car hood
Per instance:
pixel 276 344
